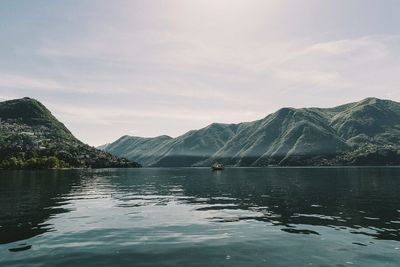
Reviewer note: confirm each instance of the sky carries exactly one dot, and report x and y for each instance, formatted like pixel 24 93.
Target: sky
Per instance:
pixel 147 68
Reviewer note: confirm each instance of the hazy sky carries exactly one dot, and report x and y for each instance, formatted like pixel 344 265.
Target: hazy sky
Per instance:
pixel 146 68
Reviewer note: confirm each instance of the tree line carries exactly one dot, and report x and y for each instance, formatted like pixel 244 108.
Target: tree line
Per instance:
pixel 44 162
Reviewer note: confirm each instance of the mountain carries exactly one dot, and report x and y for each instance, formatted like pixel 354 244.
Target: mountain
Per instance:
pixel 361 133
pixel 31 137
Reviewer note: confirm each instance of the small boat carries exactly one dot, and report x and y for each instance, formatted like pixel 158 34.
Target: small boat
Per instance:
pixel 217 166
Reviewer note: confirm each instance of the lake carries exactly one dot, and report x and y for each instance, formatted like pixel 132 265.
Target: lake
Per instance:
pixel 196 217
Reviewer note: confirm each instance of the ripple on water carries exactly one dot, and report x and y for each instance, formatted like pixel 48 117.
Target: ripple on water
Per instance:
pixel 186 217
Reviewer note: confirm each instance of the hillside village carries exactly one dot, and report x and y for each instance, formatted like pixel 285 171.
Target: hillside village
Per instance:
pixel 39 140
pixel 37 135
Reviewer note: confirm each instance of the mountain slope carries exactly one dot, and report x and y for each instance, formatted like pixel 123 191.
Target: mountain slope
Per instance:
pixel 372 120
pixel 27 111
pixel 286 133
pixel 137 147
pixel 30 136
pixel 354 133
pixel 186 150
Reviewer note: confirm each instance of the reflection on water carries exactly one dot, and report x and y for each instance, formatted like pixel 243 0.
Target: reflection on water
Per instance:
pixel 28 199
pixel 269 215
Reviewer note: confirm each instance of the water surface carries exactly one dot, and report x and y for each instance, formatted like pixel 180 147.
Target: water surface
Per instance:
pixel 195 217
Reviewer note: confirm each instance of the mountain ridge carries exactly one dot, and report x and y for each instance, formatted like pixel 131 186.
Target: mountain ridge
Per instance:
pixel 289 136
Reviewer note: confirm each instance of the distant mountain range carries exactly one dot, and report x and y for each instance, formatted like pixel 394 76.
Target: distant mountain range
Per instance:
pixel 362 133
pixel 31 137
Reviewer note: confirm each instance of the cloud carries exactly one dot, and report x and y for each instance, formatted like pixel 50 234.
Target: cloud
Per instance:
pixel 26 82
pixel 172 65
pixel 342 64
pixel 363 49
pixel 133 131
pixel 113 115
pixel 315 78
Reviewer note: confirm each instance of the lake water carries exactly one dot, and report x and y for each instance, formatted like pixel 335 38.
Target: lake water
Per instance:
pixel 196 217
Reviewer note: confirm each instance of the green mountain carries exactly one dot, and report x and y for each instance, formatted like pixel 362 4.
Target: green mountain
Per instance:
pixel 31 137
pixel 361 133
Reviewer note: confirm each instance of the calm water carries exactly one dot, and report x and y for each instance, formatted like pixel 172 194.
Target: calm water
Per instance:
pixel 195 217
